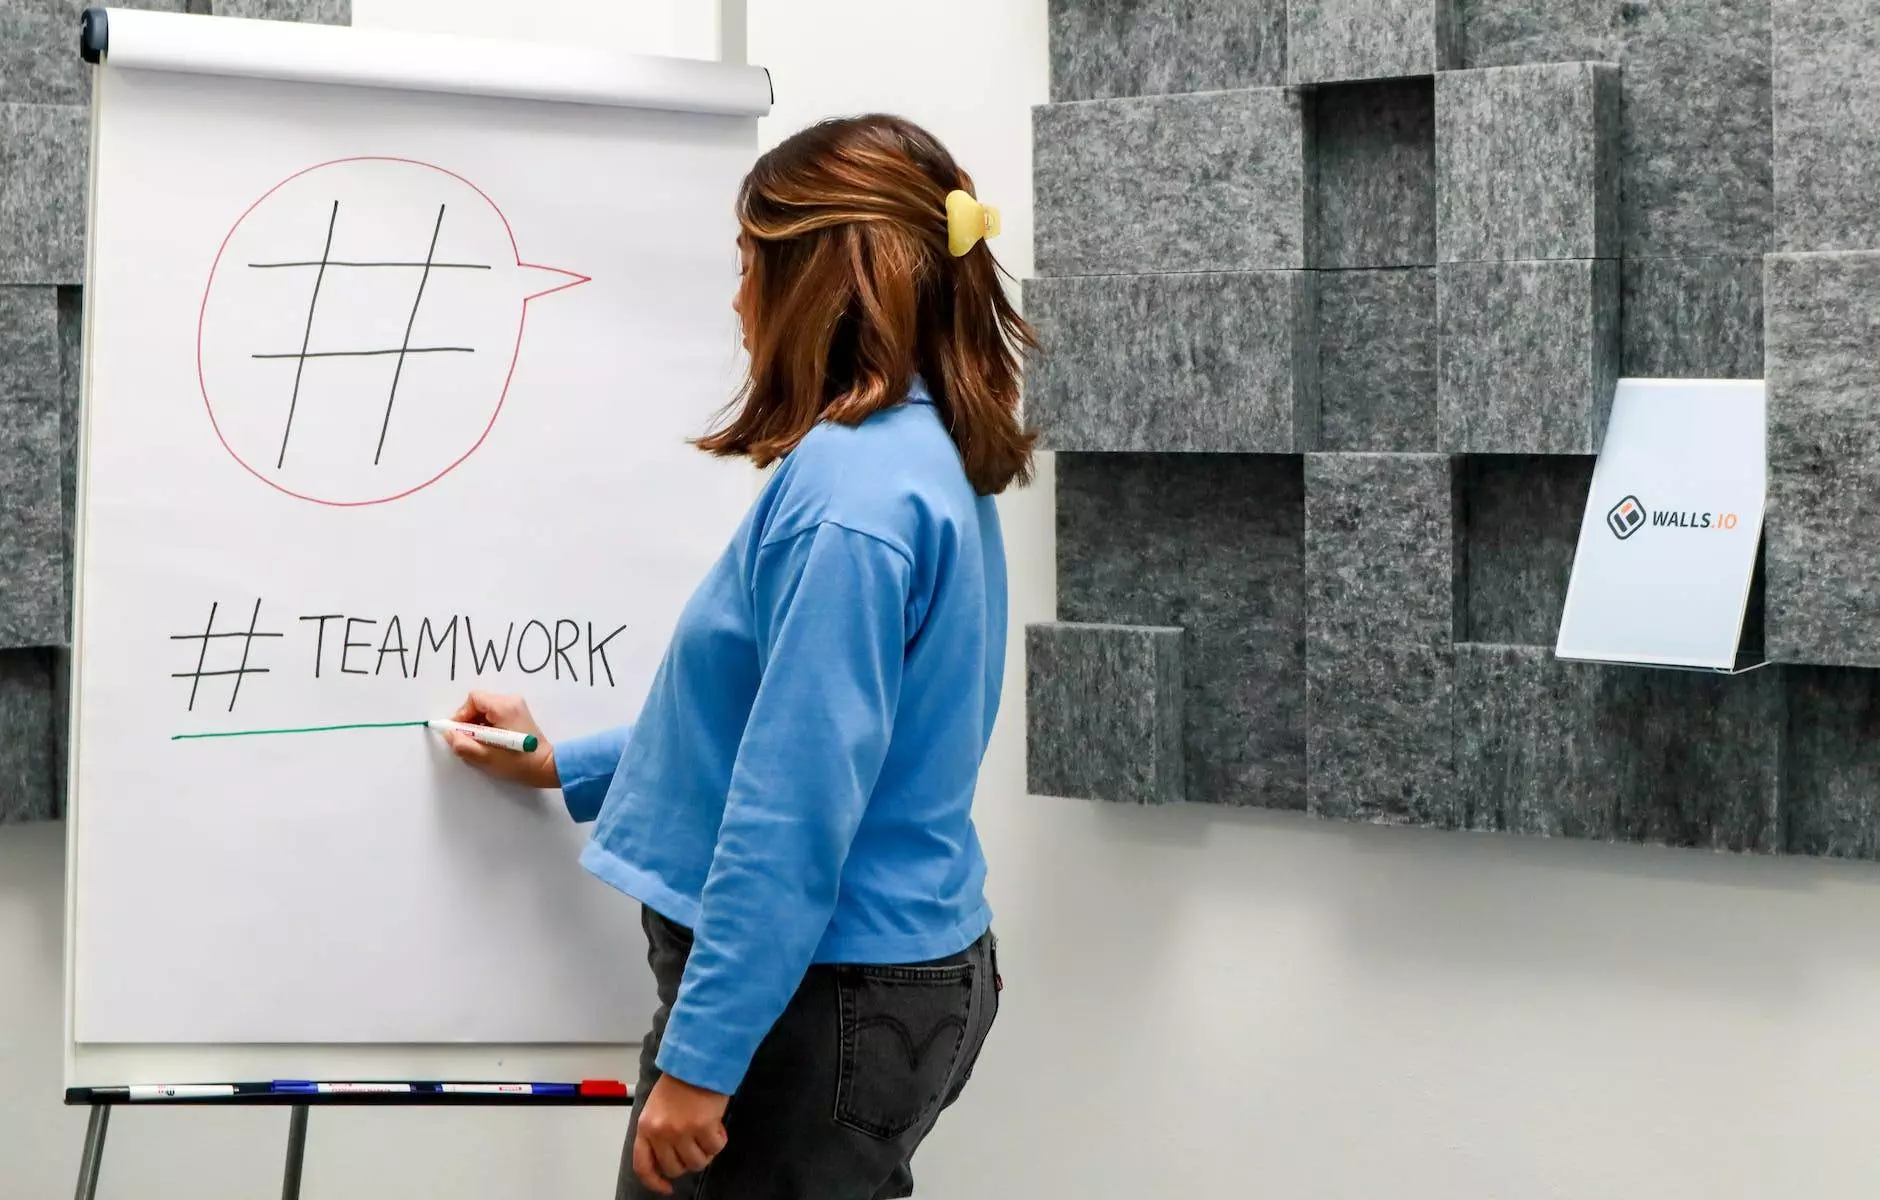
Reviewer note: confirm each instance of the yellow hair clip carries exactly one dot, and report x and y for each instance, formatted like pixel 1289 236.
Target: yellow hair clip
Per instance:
pixel 968 222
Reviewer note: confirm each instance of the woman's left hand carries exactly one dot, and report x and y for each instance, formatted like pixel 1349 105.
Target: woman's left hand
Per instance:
pixel 682 1128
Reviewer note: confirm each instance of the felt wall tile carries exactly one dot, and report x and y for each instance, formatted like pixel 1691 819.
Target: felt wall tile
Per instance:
pixel 1380 550
pixel 32 552
pixel 1697 142
pixel 1208 182
pixel 1527 163
pixel 61 729
pixel 1502 33
pixel 321 12
pixel 1101 49
pixel 1694 759
pixel 1374 172
pixel 71 377
pixel 1379 734
pixel 1827 124
pixel 1527 756
pixel 1212 544
pixel 1831 785
pixel 1521 526
pixel 1528 355
pixel 28 774
pixel 1104 712
pixel 1377 360
pixel 39 62
pixel 43 155
pixel 1334 40
pixel 1191 362
pixel 1693 318
pixel 1671 757
pixel 32 543
pixel 1823 523
pixel 29 349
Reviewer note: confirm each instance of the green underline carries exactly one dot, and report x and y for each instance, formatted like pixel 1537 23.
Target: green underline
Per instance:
pixel 189 737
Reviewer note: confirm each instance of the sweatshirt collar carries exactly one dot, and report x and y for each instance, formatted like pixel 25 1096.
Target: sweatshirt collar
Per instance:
pixel 917 392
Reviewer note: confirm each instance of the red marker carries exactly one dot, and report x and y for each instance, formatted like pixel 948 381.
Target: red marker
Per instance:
pixel 603 1087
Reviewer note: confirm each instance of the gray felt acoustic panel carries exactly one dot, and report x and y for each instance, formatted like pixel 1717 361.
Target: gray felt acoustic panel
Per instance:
pixel 1827 124
pixel 1208 182
pixel 1823 524
pixel 1697 142
pixel 1520 528
pixel 71 370
pixel 39 62
pixel 1212 544
pixel 1380 550
pixel 33 598
pixel 1831 783
pixel 1693 759
pixel 321 12
pixel 1527 752
pixel 1379 734
pixel 1336 40
pixel 1565 749
pixel 1693 318
pixel 1503 33
pixel 1380 569
pixel 1194 362
pixel 1374 174
pixel 1527 163
pixel 29 775
pixel 1103 715
pixel 1528 355
pixel 1101 49
pixel 1377 360
pixel 1499 224
pixel 43 152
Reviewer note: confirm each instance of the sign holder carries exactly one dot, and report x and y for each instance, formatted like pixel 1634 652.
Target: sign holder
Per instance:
pixel 1670 545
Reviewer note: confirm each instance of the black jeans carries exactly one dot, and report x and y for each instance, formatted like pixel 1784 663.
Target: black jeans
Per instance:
pixel 847 1083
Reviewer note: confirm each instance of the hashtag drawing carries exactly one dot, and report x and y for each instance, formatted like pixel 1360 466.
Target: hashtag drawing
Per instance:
pixel 210 636
pixel 400 353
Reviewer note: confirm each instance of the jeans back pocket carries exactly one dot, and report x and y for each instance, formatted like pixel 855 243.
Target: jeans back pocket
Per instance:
pixel 903 1030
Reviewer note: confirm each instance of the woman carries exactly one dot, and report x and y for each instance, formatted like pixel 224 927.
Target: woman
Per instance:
pixel 792 808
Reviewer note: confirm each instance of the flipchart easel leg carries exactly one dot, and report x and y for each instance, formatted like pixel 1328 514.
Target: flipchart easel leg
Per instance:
pixel 93 1157
pixel 296 1152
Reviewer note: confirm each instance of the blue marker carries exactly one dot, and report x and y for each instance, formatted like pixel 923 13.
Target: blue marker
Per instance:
pixel 306 1087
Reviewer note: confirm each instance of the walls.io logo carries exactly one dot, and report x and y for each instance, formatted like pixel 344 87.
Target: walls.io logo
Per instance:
pixel 1630 515
pixel 1626 518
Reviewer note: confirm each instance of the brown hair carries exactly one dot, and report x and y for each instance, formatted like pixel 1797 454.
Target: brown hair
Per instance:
pixel 851 291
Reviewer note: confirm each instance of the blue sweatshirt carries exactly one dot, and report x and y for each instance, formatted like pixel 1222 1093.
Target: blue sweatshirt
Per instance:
pixel 798 787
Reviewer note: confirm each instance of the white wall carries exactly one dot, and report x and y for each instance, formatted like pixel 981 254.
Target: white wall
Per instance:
pixel 1213 1003
pixel 1199 1002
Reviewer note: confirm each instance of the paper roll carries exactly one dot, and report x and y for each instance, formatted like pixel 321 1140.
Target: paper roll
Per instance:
pixel 157 41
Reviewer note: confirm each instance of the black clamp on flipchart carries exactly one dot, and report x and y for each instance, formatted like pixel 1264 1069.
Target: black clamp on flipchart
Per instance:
pixel 94 30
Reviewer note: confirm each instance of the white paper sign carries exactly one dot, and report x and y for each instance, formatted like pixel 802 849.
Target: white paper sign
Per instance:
pixel 1668 544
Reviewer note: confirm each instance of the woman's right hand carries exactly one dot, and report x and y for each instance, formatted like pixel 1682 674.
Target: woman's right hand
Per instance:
pixel 534 769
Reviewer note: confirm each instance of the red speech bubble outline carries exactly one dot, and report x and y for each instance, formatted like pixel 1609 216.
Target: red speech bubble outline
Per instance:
pixel 572 280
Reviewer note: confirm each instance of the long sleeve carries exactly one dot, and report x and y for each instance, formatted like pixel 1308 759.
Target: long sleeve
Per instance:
pixel 830 609
pixel 586 766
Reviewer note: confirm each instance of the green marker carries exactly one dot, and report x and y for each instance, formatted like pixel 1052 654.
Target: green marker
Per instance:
pixel 489 735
